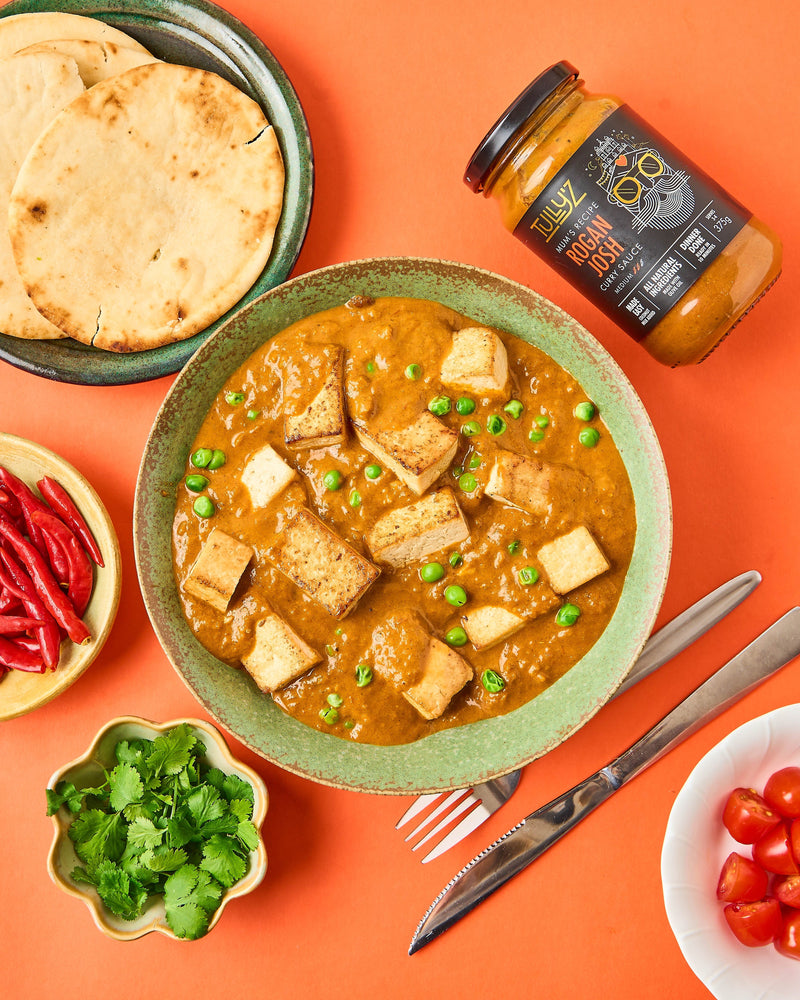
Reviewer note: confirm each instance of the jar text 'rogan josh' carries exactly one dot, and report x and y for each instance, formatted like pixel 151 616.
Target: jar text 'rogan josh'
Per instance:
pixel 645 234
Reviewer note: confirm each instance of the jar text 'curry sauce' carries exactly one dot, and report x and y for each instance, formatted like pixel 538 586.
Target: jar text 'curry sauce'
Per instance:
pixel 399 521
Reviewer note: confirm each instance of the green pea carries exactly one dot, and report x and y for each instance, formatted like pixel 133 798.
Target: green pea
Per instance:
pixel 431 572
pixel 332 480
pixel 373 471
pixel 363 675
pixel 329 715
pixel 585 411
pixel 355 499
pixel 234 398
pixel 201 458
pixel 514 408
pixel 465 406
pixel 348 724
pixel 456 636
pixel 492 681
pixel 413 372
pixel 535 435
pixel 335 700
pixel 196 483
pixel 474 461
pixel 468 483
pixel 253 414
pixel 528 575
pixel 371 368
pixel 513 547
pixel 455 559
pixel 439 405
pixel 203 507
pixel 458 470
pixel 470 428
pixel 568 614
pixel 589 437
pixel 217 459
pixel 542 420
pixel 455 595
pixel 495 424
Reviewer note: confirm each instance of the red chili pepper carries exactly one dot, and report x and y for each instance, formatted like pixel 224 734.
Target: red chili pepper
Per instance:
pixel 53 597
pixel 62 504
pixel 16 580
pixel 16 658
pixel 10 504
pixel 80 576
pixel 8 601
pixel 28 502
pixel 15 625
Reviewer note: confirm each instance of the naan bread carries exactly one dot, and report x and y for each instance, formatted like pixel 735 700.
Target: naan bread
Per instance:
pixel 33 89
pixel 96 60
pixel 147 208
pixel 20 30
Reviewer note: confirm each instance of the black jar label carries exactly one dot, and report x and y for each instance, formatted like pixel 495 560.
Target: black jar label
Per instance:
pixel 631 222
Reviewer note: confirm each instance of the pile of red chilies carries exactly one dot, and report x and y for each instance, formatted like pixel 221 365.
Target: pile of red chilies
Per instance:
pixel 46 573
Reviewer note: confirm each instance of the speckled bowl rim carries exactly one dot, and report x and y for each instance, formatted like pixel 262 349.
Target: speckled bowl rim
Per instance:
pixel 153 918
pixel 483 749
pixel 201 34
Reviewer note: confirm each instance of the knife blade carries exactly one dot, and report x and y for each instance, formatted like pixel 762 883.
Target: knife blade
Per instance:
pixel 532 836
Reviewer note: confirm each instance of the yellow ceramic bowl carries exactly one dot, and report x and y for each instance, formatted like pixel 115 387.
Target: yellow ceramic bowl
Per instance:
pixel 88 769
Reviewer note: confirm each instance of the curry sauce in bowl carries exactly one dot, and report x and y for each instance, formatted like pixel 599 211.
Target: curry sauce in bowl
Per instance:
pixel 419 523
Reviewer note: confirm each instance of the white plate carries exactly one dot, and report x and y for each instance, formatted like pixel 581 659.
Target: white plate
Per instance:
pixel 695 846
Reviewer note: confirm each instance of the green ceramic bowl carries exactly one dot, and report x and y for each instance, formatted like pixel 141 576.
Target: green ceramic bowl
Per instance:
pixel 456 757
pixel 193 33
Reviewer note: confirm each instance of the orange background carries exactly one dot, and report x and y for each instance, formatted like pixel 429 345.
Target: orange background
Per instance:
pixel 397 95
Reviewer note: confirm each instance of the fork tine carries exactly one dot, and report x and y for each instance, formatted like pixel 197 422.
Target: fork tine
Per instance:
pixel 451 799
pixel 467 803
pixel 417 806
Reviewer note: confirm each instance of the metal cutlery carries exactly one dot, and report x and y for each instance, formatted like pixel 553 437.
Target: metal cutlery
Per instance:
pixel 483 800
pixel 515 850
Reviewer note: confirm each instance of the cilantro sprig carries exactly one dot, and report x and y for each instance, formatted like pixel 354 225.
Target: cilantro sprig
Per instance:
pixel 163 823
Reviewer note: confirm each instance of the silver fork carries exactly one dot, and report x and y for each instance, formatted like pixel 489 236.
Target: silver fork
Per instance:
pixel 481 801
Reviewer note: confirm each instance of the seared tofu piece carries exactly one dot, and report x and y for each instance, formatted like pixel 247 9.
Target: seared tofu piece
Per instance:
pixel 218 569
pixel 572 560
pixel 266 475
pixel 409 533
pixel 322 564
pixel 319 421
pixel 278 655
pixel 444 673
pixel 417 454
pixel 489 624
pixel 533 486
pixel 476 361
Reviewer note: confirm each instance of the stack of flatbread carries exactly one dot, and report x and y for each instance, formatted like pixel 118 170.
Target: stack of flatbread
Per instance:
pixel 142 197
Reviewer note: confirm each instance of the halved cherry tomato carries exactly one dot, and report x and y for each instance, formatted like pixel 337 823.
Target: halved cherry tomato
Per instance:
pixel 788 941
pixel 787 890
pixel 741 880
pixel 747 817
pixel 782 792
pixel 755 924
pixel 773 851
pixel 794 839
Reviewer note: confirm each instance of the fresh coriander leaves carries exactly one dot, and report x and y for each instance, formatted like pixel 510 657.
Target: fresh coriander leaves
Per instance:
pixel 163 823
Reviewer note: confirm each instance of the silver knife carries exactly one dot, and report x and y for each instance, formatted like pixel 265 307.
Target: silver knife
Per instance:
pixel 515 850
pixel 661 647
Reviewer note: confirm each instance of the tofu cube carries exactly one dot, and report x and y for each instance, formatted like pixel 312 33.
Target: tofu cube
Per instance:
pixel 572 560
pixel 322 564
pixel 490 624
pixel 410 533
pixel 535 487
pixel 279 655
pixel 476 361
pixel 266 475
pixel 318 421
pixel 217 570
pixel 417 454
pixel 443 675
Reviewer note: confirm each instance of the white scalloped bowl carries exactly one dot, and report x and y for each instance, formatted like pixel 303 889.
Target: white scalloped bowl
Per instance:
pixel 86 769
pixel 695 846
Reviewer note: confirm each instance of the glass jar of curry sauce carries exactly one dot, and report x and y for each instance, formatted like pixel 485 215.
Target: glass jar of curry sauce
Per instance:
pixel 650 238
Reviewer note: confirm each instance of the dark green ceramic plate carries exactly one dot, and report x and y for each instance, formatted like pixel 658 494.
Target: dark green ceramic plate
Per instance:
pixel 193 33
pixel 478 751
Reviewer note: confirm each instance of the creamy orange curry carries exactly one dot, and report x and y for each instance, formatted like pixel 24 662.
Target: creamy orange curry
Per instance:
pixel 397 520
